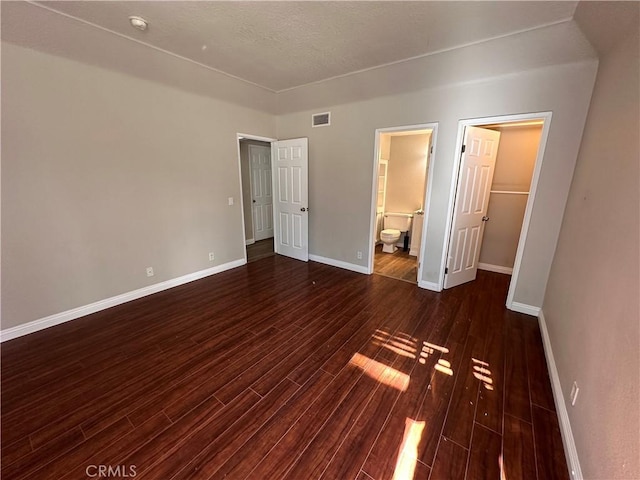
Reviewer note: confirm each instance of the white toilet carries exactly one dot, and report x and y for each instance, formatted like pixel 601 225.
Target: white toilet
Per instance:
pixel 394 224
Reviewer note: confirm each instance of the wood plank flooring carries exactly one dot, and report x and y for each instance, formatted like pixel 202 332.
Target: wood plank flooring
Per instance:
pixel 285 370
pixel 399 265
pixel 260 249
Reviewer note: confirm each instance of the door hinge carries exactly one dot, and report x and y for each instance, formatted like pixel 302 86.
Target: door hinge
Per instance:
pixel 446 270
pixel 431 150
pixel 464 147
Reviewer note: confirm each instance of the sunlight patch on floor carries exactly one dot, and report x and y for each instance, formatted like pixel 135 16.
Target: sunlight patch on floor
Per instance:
pixel 380 372
pixel 408 452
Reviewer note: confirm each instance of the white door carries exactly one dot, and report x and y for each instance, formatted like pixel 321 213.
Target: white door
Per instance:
pixel 261 191
pixel 290 202
pixel 478 162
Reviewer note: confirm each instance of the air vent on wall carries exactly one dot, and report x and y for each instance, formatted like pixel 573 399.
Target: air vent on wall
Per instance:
pixel 321 119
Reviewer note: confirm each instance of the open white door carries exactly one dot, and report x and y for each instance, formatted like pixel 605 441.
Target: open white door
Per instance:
pixel 261 188
pixel 290 202
pixel 480 148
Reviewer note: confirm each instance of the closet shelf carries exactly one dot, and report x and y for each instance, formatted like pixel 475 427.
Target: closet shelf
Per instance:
pixel 509 192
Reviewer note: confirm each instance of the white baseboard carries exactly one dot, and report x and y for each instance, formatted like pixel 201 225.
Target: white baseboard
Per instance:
pixel 434 287
pixel 51 320
pixel 249 241
pixel 339 263
pixel 524 308
pixel 495 268
pixel 573 462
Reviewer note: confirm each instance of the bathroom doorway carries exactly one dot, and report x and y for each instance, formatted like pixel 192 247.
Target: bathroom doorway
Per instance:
pixel 400 193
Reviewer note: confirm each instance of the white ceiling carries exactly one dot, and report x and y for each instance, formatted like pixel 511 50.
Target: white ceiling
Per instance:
pixel 282 45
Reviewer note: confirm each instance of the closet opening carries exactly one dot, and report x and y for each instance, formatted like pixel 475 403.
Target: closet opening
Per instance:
pixel 499 164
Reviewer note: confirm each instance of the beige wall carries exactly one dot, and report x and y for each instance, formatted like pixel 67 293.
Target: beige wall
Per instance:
pixel 246 184
pixel 69 38
pixel 385 146
pixel 407 172
pixel 591 304
pixel 514 169
pixel 104 174
pixel 341 156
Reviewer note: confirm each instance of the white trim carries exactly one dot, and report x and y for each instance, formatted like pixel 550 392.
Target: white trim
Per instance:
pixel 478 122
pixel 529 208
pixel 239 137
pixel 62 317
pixel 434 287
pixel 374 188
pixel 248 136
pixel 495 268
pixel 339 263
pixel 524 308
pixel 249 241
pixel 573 462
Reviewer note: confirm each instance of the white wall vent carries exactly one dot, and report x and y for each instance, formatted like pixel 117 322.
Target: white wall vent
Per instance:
pixel 321 119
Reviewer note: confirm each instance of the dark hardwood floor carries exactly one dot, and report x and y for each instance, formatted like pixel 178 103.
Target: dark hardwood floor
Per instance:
pixel 260 249
pixel 399 265
pixel 284 369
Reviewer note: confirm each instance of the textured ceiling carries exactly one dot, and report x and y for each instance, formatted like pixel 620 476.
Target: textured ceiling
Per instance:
pixel 281 45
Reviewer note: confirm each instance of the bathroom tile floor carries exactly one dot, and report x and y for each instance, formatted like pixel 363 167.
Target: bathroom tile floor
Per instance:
pixel 399 265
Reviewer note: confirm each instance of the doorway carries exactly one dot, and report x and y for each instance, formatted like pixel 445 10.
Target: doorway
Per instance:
pixel 400 194
pixel 274 196
pixel 493 197
pixel 254 155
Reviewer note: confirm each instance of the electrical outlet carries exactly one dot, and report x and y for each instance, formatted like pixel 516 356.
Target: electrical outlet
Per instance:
pixel 574 393
pixel 150 272
pixel 230 200
pixel 359 255
pixel 211 256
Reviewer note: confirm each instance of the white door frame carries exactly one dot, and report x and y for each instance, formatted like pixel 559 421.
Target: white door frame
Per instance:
pixel 426 201
pixel 245 136
pixel 478 122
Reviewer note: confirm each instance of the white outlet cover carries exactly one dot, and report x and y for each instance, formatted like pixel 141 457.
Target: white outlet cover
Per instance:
pixel 149 271
pixel 230 200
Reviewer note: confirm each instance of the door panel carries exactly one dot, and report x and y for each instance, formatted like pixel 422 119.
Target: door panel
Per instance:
pixel 291 207
pixel 472 199
pixel 261 192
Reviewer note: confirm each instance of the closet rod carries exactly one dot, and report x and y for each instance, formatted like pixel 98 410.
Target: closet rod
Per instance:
pixel 509 192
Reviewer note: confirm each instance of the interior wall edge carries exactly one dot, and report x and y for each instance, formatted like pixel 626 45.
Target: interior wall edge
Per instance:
pixel 524 308
pixel 571 452
pixel 339 263
pixel 434 287
pixel 495 268
pixel 78 312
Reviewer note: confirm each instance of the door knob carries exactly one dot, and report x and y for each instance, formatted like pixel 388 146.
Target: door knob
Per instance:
pixel 485 219
pixel 303 209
